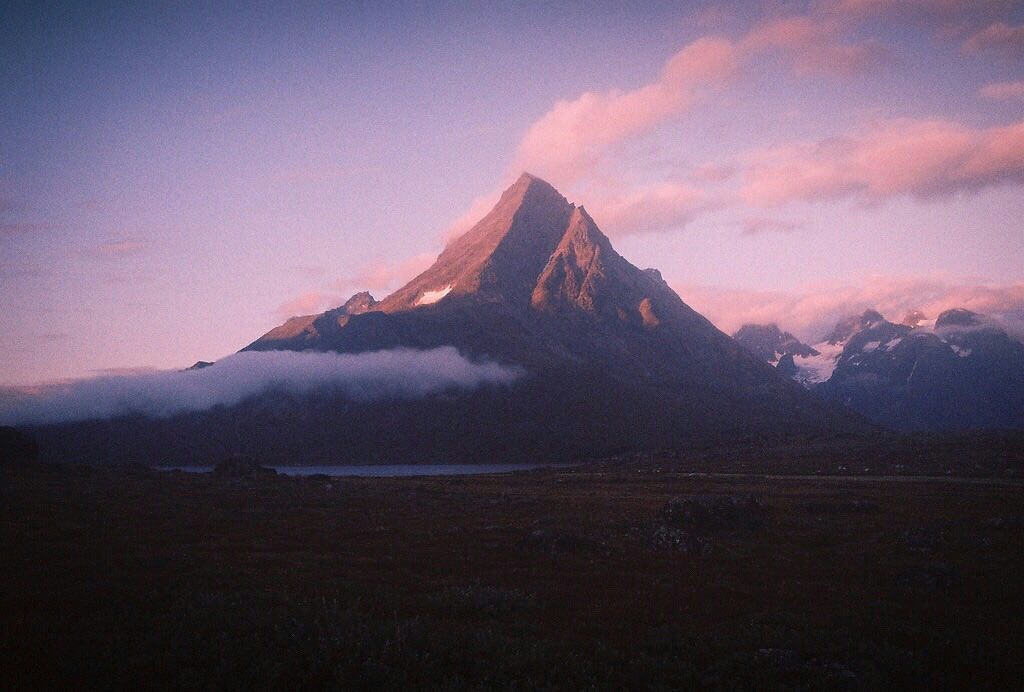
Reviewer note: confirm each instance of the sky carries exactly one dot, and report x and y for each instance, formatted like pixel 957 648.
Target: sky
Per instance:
pixel 178 178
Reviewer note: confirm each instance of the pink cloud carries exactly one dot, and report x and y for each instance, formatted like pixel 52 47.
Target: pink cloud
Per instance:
pixel 308 303
pixel 913 157
pixel 568 144
pixel 666 206
pixel 568 141
pixel 814 45
pixel 380 278
pixel 812 312
pixel 384 276
pixel 999 37
pixel 1003 91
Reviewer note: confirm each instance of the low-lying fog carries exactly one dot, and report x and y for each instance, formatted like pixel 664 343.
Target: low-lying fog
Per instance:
pixel 399 373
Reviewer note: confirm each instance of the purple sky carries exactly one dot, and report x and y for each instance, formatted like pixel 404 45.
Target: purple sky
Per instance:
pixel 174 180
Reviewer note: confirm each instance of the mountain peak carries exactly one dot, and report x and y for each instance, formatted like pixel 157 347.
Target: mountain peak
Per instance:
pixel 957 317
pixel 527 178
pixel 914 318
pixel 849 326
pixel 359 303
pixel 501 256
pixel 769 343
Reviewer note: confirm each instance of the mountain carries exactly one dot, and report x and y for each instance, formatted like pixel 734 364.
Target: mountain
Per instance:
pixel 959 371
pixel 613 360
pixel 309 329
pixel 808 365
pixel 769 343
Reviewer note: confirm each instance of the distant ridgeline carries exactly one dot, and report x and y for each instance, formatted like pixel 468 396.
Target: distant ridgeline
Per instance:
pixel 959 371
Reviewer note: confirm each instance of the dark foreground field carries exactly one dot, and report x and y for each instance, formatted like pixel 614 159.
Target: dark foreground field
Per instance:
pixel 566 578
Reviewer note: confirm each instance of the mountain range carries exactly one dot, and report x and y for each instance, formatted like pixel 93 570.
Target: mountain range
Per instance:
pixel 612 357
pixel 962 370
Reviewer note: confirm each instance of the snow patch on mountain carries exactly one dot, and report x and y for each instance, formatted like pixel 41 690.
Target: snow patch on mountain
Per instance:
pixel 431 297
pixel 813 370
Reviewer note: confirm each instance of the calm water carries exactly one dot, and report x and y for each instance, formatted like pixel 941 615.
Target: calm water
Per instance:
pixel 389 470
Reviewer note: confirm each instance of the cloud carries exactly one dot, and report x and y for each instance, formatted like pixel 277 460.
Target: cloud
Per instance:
pixel 567 142
pixel 385 276
pixel 396 374
pixel 814 45
pixel 380 278
pixel 571 145
pixel 999 37
pixel 814 311
pixel 921 158
pixel 1003 91
pixel 309 303
pixel 661 207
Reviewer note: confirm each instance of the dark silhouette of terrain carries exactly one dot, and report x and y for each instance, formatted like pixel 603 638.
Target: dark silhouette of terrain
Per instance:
pixel 617 576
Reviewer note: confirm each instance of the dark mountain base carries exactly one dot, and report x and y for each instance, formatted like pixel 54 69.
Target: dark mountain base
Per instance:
pixel 548 579
pixel 559 415
pixel 970 454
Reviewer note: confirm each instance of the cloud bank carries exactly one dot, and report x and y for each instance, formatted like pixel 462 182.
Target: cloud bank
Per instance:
pixel 921 158
pixel 577 142
pixel 813 312
pixel 998 37
pixel 1003 91
pixel 395 374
